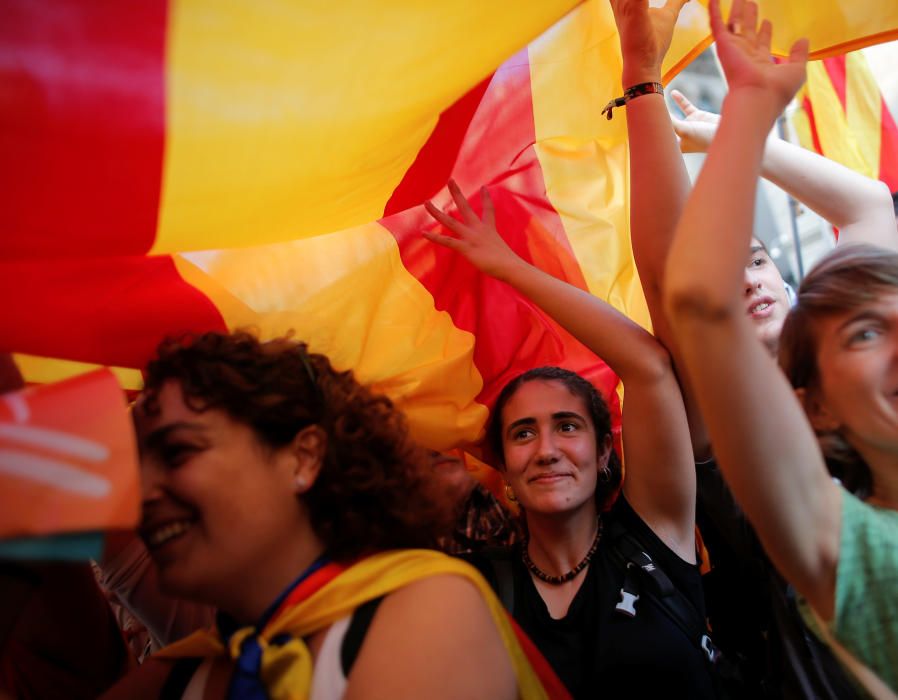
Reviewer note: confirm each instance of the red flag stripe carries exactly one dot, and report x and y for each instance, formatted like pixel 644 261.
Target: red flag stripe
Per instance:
pixel 108 310
pixel 434 162
pixel 82 123
pixel 512 336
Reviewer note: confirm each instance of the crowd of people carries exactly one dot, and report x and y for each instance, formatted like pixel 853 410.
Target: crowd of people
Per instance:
pixel 291 531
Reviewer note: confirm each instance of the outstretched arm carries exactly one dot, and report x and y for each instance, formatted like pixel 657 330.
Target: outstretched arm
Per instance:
pixel 860 207
pixel 660 481
pixel 761 437
pixel 659 183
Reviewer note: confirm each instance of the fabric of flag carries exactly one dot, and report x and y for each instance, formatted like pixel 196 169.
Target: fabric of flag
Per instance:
pixel 844 117
pixel 64 469
pixel 198 165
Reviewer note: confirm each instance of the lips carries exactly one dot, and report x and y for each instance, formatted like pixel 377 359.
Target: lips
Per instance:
pixel 761 307
pixel 548 478
pixel 158 533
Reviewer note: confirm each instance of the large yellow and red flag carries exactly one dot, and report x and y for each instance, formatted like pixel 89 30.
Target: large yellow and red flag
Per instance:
pixel 192 165
pixel 844 117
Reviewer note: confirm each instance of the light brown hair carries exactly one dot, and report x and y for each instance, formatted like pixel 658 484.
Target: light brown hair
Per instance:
pixel 847 279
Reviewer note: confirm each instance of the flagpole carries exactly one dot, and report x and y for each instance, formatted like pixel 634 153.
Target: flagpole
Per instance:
pixel 793 208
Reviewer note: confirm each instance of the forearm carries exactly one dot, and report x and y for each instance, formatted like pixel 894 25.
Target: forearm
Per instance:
pixel 631 352
pixel 860 207
pixel 659 186
pixel 707 258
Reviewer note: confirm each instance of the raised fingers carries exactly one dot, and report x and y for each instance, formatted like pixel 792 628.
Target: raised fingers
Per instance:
pixel 799 51
pixel 683 103
pixel 489 211
pixel 464 208
pixel 735 24
pixel 765 35
pixel 449 222
pixel 716 17
pixel 750 21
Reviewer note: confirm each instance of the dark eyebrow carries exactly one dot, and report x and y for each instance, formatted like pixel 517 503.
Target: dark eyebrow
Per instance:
pixel 755 249
pixel 558 415
pixel 567 414
pixel 158 436
pixel 519 422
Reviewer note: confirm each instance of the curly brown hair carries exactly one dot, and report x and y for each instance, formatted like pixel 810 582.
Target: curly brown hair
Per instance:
pixel 374 490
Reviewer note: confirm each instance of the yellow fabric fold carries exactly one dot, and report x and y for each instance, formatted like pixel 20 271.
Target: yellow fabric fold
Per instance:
pixel 370 578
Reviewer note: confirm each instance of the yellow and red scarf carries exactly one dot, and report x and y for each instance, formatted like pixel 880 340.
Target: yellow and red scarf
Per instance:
pixel 335 591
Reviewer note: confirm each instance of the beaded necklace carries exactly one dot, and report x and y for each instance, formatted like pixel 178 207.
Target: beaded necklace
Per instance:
pixel 570 575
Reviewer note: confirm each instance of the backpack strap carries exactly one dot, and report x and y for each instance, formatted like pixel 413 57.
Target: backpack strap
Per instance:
pixel 637 564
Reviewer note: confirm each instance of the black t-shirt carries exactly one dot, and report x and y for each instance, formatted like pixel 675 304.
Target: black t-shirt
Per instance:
pixel 753 611
pixel 599 652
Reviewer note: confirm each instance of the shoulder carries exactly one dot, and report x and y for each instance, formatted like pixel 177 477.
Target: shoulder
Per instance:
pixel 434 638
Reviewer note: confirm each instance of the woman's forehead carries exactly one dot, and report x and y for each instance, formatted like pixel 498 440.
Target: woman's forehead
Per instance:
pixel 542 396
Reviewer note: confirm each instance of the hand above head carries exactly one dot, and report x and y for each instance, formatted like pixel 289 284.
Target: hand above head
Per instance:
pixel 645 35
pixel 696 130
pixel 743 48
pixel 477 239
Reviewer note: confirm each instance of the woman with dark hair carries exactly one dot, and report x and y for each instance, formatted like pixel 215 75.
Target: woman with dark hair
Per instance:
pixel 594 584
pixel 838 347
pixel 284 494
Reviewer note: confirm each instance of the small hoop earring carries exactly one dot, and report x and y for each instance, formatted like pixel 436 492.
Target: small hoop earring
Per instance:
pixel 509 494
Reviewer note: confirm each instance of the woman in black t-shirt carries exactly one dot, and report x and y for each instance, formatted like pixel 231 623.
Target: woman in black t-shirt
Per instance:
pixel 551 432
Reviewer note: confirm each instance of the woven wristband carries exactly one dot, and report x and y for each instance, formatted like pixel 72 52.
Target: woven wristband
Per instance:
pixel 631 93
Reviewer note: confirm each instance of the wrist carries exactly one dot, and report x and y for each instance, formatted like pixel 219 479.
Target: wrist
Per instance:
pixel 633 75
pixel 763 107
pixel 511 271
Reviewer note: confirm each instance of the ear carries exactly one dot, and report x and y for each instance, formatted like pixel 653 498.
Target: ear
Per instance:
pixel 604 451
pixel 307 451
pixel 820 418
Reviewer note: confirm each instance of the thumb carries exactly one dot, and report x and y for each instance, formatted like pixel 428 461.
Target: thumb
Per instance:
pixel 799 51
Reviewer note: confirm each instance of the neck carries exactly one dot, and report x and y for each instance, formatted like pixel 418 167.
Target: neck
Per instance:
pixel 558 543
pixel 884 467
pixel 247 601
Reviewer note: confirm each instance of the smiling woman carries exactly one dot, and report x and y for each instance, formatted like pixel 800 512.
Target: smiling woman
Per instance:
pixel 286 495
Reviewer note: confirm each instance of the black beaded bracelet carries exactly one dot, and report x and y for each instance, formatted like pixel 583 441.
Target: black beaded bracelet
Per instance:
pixel 632 93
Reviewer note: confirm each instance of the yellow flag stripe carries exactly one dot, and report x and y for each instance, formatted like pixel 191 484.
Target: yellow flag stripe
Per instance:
pixel 308 114
pixel 350 297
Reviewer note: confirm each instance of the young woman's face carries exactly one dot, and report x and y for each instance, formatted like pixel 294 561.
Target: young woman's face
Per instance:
pixel 766 301
pixel 550 445
pixel 857 356
pixel 217 504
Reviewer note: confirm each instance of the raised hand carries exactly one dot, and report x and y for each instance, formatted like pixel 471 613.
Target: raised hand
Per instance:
pixel 475 238
pixel 696 130
pixel 645 35
pixel 744 52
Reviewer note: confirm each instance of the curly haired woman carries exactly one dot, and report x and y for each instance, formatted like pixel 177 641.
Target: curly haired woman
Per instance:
pixel 286 495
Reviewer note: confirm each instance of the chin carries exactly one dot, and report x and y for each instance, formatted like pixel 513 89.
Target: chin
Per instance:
pixel 179 582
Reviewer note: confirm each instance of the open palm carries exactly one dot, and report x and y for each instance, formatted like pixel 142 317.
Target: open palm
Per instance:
pixel 744 51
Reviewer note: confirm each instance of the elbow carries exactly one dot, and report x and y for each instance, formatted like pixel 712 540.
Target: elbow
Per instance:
pixel 695 302
pixel 652 365
pixel 880 195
